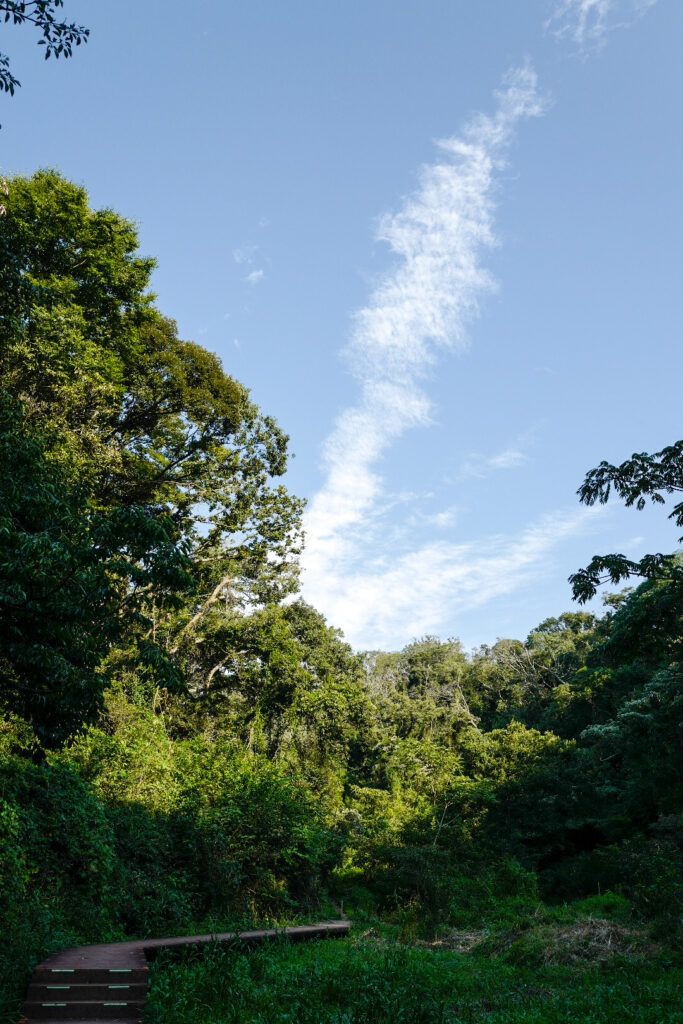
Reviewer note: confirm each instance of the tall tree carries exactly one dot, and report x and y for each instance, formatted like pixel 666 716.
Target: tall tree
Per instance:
pixel 135 416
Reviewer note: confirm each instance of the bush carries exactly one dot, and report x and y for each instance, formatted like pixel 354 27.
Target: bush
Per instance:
pixel 222 835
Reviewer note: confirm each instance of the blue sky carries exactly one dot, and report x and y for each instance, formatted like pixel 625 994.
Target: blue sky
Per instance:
pixel 439 241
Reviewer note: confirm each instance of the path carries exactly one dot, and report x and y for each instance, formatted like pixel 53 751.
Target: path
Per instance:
pixel 90 984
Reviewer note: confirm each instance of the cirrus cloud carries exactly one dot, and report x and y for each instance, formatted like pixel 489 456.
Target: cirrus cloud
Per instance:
pixel 420 308
pixel 587 22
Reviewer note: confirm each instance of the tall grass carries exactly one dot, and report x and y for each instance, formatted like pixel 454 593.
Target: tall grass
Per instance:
pixel 376 982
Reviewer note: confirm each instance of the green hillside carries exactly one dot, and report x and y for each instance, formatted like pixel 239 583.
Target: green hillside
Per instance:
pixel 186 745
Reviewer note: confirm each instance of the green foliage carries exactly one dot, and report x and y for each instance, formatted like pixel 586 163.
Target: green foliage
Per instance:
pixel 147 419
pixel 151 466
pixel 132 833
pixel 285 685
pixel 239 832
pixel 585 758
pixel 69 576
pixel 58 37
pixel 636 480
pixel 514 678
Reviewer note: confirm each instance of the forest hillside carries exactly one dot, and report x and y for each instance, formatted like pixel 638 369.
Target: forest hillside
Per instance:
pixel 185 744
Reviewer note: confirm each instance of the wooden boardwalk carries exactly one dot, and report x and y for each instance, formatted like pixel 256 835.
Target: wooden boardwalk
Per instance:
pixel 108 982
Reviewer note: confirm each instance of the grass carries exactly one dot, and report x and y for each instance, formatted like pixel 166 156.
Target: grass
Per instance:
pixel 374 980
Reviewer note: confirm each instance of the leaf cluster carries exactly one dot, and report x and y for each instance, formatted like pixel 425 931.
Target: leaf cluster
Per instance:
pixel 57 37
pixel 641 478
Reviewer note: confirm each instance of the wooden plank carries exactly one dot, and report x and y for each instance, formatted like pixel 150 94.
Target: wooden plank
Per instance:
pixel 128 956
pixel 95 969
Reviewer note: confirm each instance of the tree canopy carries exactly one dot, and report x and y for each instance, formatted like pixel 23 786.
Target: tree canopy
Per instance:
pixel 136 421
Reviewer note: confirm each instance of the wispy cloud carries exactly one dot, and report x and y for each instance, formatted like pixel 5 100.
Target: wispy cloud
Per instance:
pixel 481 466
pixel 448 517
pixel 421 306
pixel 246 256
pixel 587 22
pixel 392 600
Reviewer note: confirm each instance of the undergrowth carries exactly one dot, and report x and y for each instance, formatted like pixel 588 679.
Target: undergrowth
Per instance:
pixel 365 982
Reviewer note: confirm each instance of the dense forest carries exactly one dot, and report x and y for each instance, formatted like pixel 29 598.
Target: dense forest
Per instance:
pixel 186 744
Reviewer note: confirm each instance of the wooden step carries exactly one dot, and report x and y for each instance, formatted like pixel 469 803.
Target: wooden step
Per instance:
pixel 102 991
pixel 90 975
pixel 108 982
